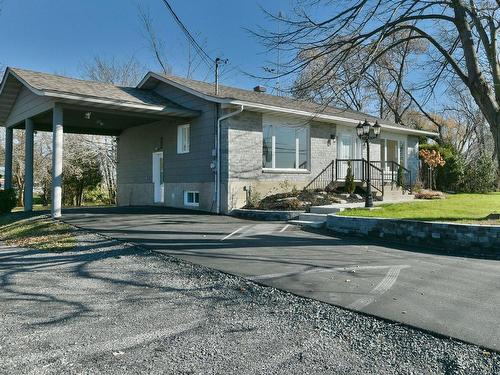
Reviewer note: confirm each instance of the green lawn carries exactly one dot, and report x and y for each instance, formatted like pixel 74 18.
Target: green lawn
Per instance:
pixel 462 208
pixel 36 231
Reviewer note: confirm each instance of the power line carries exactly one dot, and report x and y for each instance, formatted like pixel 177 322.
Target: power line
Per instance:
pixel 204 56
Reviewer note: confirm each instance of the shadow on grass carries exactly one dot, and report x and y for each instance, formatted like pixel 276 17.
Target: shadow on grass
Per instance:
pixel 36 231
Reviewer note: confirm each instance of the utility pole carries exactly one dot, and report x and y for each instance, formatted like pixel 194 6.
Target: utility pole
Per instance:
pixel 278 65
pixel 218 61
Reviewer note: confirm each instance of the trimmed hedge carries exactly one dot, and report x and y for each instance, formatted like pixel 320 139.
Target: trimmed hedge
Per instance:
pixel 8 200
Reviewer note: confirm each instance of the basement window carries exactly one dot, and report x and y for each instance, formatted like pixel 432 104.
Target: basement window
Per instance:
pixel 192 198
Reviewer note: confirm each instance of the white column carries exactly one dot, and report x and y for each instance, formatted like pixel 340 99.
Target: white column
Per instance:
pixel 57 160
pixel 386 166
pixel 28 165
pixel 9 133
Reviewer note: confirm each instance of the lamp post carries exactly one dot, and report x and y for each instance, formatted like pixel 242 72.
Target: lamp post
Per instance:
pixel 367 132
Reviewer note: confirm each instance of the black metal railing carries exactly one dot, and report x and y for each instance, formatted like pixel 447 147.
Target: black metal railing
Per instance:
pixel 391 172
pixel 357 167
pixel 376 176
pixel 323 179
pixel 380 172
pixel 360 168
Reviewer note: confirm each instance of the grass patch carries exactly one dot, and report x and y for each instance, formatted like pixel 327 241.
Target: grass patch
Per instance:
pixel 38 232
pixel 460 208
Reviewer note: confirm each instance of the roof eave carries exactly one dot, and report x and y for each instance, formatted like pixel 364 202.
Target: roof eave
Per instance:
pixel 8 72
pixel 329 118
pixel 160 109
pixel 320 116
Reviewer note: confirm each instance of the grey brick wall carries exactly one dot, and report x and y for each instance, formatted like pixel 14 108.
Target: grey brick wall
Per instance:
pixel 242 158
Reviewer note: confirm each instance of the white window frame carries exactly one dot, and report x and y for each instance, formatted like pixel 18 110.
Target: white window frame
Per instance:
pixel 183 145
pixel 297 151
pixel 194 203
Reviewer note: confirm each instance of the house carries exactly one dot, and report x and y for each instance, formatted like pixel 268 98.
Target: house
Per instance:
pixel 182 145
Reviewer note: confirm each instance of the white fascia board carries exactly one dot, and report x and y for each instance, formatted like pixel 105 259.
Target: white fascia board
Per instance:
pixel 103 101
pixel 329 118
pixel 183 88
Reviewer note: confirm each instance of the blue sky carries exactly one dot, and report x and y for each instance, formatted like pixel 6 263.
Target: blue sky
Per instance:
pixel 59 36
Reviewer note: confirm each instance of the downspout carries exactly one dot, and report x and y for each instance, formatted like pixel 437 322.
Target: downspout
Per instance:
pixel 217 177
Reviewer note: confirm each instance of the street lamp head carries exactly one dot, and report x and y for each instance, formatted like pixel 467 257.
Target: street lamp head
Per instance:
pixel 376 129
pixel 359 129
pixel 366 128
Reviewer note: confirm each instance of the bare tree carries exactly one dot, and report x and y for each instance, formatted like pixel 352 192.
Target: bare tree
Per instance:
pixel 156 44
pixel 467 125
pixel 122 73
pixel 18 165
pixel 461 37
pixel 380 89
pixel 104 148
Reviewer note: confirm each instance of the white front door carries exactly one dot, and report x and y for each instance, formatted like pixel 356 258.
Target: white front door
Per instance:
pixel 349 148
pixel 159 187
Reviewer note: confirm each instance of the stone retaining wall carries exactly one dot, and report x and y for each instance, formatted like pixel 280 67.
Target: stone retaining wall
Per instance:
pixel 484 239
pixel 266 215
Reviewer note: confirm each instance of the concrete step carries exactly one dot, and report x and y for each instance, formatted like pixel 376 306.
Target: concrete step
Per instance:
pixel 329 209
pixel 313 217
pixel 398 197
pixel 306 223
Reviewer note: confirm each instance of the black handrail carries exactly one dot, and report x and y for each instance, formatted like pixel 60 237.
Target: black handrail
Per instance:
pixel 378 172
pixel 323 179
pixel 376 176
pixel 360 169
pixel 394 168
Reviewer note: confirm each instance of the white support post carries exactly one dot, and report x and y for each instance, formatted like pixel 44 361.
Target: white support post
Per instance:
pixel 386 166
pixel 57 160
pixel 28 165
pixel 9 134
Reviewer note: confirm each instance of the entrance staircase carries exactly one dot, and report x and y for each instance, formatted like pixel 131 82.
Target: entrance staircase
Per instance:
pixel 316 218
pixel 383 176
pixel 385 184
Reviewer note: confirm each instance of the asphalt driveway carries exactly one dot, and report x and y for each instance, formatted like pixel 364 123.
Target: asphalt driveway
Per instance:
pixel 453 296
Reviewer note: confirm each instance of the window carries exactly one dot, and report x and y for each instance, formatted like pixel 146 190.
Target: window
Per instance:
pixel 191 198
pixel 285 147
pixel 183 138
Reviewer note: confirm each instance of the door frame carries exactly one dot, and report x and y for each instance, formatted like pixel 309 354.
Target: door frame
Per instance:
pixel 356 152
pixel 158 172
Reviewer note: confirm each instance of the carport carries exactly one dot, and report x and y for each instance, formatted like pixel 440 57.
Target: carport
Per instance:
pixel 41 102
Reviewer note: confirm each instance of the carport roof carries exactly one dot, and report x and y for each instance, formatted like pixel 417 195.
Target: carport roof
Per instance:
pixel 83 91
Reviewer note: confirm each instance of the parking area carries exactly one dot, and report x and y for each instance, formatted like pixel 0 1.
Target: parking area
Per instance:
pixel 453 296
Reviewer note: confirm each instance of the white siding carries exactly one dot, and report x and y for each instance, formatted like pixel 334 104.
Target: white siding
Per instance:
pixel 27 105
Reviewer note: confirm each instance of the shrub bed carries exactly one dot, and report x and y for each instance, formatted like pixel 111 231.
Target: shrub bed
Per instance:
pixel 295 200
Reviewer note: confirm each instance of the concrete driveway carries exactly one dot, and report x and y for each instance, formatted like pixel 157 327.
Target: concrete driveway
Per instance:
pixel 453 296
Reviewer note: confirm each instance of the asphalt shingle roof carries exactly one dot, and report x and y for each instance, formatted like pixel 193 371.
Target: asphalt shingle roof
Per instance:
pixel 227 92
pixel 91 89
